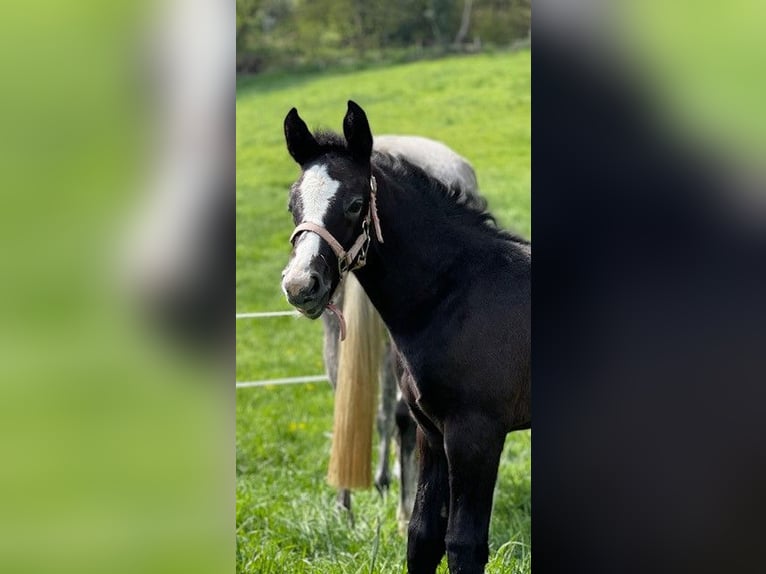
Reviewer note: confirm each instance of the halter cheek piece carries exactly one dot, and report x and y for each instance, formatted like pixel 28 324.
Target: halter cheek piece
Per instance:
pixel 356 256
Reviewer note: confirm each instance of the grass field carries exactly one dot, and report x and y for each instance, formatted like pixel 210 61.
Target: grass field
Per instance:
pixel 286 516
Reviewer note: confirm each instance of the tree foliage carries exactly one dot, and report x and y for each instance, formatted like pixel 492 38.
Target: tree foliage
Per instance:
pixel 293 33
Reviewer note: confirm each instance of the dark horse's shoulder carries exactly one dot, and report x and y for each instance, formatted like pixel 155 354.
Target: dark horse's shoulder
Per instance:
pixel 497 269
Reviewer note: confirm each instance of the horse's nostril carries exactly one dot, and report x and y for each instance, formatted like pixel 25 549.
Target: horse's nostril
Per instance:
pixel 302 290
pixel 313 286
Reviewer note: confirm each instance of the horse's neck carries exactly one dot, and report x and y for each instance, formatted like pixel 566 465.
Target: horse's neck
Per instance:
pixel 406 274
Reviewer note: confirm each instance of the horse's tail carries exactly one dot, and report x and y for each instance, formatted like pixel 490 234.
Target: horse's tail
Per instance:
pixel 356 392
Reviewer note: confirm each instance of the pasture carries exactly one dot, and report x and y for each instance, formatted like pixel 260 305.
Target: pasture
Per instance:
pixel 286 516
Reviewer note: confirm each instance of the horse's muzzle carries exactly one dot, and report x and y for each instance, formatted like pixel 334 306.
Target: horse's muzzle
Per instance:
pixel 307 291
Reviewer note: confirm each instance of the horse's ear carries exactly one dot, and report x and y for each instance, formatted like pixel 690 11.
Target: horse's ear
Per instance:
pixel 300 143
pixel 357 132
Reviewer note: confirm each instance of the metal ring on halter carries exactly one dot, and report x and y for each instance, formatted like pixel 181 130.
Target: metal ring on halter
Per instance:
pixel 361 259
pixel 356 256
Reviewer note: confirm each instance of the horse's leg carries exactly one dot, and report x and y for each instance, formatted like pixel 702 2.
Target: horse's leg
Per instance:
pixel 428 525
pixel 473 444
pixel 331 348
pixel 407 434
pixel 407 438
pixel 331 355
pixel 386 408
pixel 344 502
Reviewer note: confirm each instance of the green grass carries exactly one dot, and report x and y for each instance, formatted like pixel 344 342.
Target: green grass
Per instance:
pixel 286 517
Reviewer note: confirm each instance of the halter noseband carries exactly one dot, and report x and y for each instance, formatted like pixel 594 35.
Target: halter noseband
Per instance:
pixel 356 256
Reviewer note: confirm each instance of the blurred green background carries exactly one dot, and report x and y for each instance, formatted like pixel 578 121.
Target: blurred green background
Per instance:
pixel 116 451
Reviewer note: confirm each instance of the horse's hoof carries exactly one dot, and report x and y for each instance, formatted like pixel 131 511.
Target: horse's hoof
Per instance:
pixel 346 511
pixel 344 498
pixel 382 484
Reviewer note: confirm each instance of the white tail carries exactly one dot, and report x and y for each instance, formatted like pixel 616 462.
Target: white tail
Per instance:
pixel 357 390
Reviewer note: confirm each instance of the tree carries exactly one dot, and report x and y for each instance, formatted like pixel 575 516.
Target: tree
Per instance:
pixel 465 22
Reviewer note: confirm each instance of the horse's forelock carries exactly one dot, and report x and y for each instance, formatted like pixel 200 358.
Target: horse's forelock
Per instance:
pixel 329 141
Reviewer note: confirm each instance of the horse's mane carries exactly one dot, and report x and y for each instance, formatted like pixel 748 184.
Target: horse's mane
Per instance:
pixel 462 205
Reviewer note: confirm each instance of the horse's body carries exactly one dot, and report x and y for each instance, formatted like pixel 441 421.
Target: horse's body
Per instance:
pixel 454 171
pixel 435 158
pixel 454 293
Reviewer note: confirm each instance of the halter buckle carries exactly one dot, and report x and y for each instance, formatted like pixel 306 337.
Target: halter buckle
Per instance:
pixel 343 265
pixel 361 259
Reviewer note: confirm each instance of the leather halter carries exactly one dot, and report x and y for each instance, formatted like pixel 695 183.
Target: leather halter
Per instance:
pixel 356 256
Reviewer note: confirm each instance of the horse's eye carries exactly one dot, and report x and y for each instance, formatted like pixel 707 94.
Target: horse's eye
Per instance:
pixel 355 207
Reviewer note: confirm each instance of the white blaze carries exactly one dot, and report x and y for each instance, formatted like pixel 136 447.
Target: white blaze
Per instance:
pixel 316 191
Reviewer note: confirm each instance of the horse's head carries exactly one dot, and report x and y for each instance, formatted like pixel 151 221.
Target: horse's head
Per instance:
pixel 330 207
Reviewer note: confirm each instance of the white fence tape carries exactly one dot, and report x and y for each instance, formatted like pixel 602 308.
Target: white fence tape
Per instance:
pixel 265 314
pixel 285 381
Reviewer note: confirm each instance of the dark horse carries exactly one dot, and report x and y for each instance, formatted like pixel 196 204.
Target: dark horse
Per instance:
pixel 453 291
pixel 393 417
